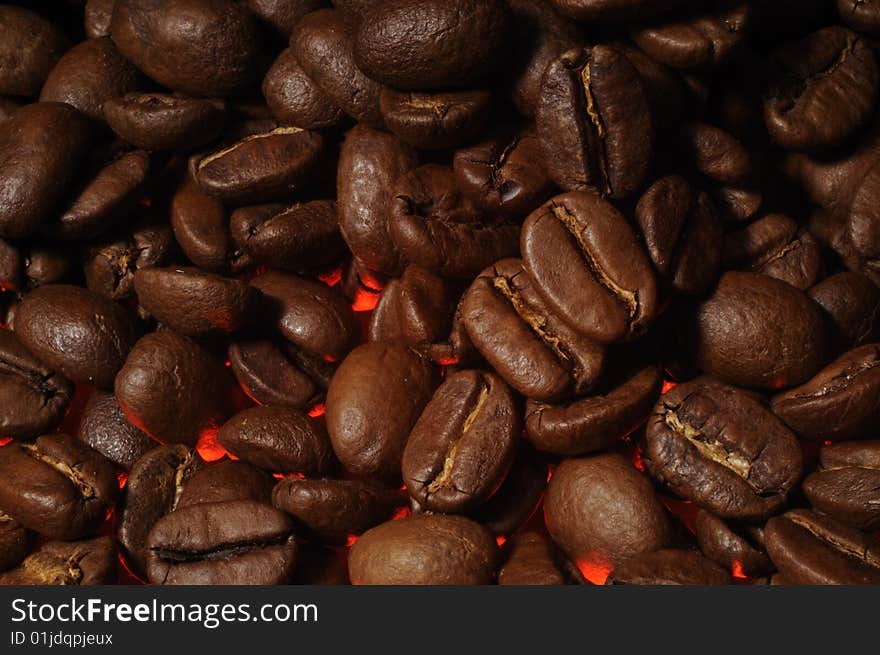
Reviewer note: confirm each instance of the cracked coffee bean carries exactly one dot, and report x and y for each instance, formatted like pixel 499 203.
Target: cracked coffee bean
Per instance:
pixel 736 547
pixel 435 121
pixel 81 563
pixel 15 542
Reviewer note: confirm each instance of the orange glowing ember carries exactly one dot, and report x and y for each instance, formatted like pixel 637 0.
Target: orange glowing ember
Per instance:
pixel 401 513
pixel 209 449
pixel 122 478
pixel 738 570
pixel 332 278
pixel 827 442
pixel 500 540
pixel 451 360
pixel 4 441
pixel 595 567
pixel 317 410
pixel 281 476
pixel 637 460
pixel 668 384
pixel 349 540
pixel 365 300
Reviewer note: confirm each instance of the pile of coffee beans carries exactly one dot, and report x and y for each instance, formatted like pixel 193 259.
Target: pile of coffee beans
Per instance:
pixel 440 292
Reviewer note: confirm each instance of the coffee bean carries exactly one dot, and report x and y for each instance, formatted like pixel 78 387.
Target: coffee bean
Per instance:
pixel 294 98
pixel 104 428
pixel 172 389
pixel 861 16
pixel 97 17
pixel 273 374
pixel 435 121
pixel 590 11
pixel 669 567
pixel 601 511
pixel 82 563
pixel 30 48
pixel 15 542
pixel 852 302
pixel 590 268
pixel 532 559
pixel 738 548
pixel 47 263
pixel 226 480
pixel 227 543
pixel 56 486
pixel 283 15
pixel 845 487
pixel 427 549
pixel 367 440
pixel 809 548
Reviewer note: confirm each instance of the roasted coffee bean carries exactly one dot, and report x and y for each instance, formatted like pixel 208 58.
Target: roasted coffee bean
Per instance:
pixel 97 17
pixel 532 559
pixel 590 268
pixel 601 511
pixel 460 449
pixel 735 335
pixel 279 439
pixel 78 332
pixel 832 68
pixel 273 374
pixel 47 263
pixel 83 563
pixel 201 228
pixel 852 302
pixel 104 428
pixel 30 48
pixel 283 15
pixel 776 246
pixel 367 439
pixel 172 389
pixel 505 174
pixel 56 486
pixel 41 147
pixel 738 549
pixel 109 265
pixel 90 74
pixel 153 489
pixel 226 480
pixel 709 36
pixel 682 232
pixel 300 237
pixel 595 123
pixel 370 162
pixel 435 226
pixel 737 204
pixel 595 422
pixel 590 11
pixel 432 44
pixel 261 167
pixel 665 88
pixel 809 548
pixel 861 16
pixel 295 99
pixel 845 487
pixel 669 567
pixel 324 48
pixel 226 543
pixel 418 310
pixel 15 542
pixel 199 47
pixel 841 402
pixel 435 121
pixel 33 398
pixel 524 341
pixel 334 510
pixel 161 121
pixel 716 154
pixel 702 444
pixel 310 315
pixel 425 550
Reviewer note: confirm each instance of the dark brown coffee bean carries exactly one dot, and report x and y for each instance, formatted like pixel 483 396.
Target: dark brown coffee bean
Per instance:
pixel 261 167
pixel 861 16
pixel 842 401
pixel 461 448
pixel 56 486
pixel 47 263
pixel 283 15
pixel 324 48
pixel 525 342
pixel 370 162
pixel 432 44
pixel 425 550
pixel 160 121
pixel 271 376
pixel 227 543
pixel 97 18
pixel 295 99
pixel 845 487
pixel 595 123
pixel 601 511
pixel 701 442
pixel 201 228
pixel 737 204
pixel 334 510
pixel 83 334
pixel 418 310
pixel 172 389
pixel 15 542
pixel 435 121
pixel 434 226
pixel 153 489
pixel 809 548
pixel 738 549
pixel 33 398
pixel 737 336
pixel 532 559
pixel 682 232
pixel 104 428
pixel 30 48
pixel 833 67
pixel 716 154
pixel 590 11
pixel 709 36
pixel 41 148
pixel 90 74
pixel 368 440
pixel 590 268
pixel 301 237
pixel 311 315
pixel 852 302
pixel 199 47
pixel 595 422
pixel 227 480
pixel 505 174
pixel 82 563
pixel 669 567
